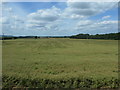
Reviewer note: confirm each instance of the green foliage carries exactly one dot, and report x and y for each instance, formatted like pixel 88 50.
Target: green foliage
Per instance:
pixel 111 36
pixel 51 83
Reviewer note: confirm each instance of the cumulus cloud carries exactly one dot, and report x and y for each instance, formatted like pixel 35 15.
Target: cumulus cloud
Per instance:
pixel 106 17
pixel 54 21
pixel 74 16
pixel 42 18
pixel 84 22
pixel 4 20
pixel 11 24
pixel 92 27
pixel 88 8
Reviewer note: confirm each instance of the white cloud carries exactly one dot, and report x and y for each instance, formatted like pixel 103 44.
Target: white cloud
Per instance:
pixel 106 17
pixel 88 9
pixel 54 21
pixel 49 15
pixel 84 22
pixel 74 16
pixel 108 22
pixel 42 18
pixel 4 20
pixel 11 24
pixel 92 27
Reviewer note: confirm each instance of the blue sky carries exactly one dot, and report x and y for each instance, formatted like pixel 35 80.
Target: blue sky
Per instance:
pixel 59 18
pixel 34 6
pixel 112 12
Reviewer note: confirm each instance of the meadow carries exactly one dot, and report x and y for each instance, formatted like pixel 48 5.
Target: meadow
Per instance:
pixel 60 63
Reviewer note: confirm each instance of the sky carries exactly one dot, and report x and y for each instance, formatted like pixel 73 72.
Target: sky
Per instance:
pixel 59 18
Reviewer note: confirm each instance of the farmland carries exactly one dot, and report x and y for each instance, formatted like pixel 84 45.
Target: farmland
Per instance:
pixel 60 63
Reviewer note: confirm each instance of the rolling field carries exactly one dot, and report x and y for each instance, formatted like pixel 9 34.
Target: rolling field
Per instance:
pixel 60 63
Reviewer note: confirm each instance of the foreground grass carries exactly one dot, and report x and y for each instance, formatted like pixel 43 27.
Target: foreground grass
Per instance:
pixel 65 63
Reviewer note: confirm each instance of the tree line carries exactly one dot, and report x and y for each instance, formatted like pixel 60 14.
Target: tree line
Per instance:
pixel 112 36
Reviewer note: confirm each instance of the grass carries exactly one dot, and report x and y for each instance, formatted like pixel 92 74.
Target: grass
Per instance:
pixel 65 63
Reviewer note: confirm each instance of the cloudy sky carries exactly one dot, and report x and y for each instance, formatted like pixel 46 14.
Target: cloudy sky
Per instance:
pixel 59 18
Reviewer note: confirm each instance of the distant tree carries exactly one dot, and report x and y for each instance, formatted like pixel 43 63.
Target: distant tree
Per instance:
pixel 35 37
pixel 113 36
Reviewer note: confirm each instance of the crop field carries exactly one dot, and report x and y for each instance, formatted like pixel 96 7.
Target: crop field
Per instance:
pixel 60 63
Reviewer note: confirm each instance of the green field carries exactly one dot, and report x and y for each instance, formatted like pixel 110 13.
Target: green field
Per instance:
pixel 60 63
